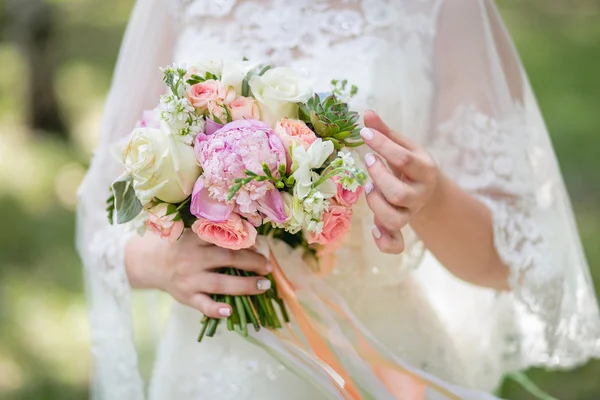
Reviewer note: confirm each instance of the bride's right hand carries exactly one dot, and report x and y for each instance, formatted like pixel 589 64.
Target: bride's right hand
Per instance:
pixel 186 270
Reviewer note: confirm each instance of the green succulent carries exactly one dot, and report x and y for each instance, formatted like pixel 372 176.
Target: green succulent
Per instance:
pixel 331 120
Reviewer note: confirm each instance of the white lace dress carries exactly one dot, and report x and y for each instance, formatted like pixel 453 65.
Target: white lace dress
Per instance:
pixel 442 72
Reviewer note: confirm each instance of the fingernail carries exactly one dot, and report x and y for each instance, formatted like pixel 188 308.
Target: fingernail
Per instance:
pixel 263 284
pixel 376 232
pixel 224 312
pixel 368 187
pixel 370 159
pixel 366 134
pixel 269 268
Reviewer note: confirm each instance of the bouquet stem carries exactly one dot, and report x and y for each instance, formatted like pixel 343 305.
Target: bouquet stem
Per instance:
pixel 257 310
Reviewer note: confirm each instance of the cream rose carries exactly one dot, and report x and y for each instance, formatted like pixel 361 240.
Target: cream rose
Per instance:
pixel 277 92
pixel 161 166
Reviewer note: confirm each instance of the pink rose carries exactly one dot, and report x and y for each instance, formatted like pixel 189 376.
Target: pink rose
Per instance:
pixel 201 93
pixel 233 234
pixel 224 157
pixel 336 225
pixel 244 108
pixel 217 111
pixel 292 131
pixel 346 197
pixel 163 224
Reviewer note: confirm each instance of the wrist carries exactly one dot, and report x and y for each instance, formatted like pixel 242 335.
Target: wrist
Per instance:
pixel 434 205
pixel 135 262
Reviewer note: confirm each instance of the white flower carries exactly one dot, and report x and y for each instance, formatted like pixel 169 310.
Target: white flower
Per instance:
pixel 315 204
pixel 215 67
pixel 176 112
pixel 347 158
pixel 315 226
pixel 277 92
pixel 161 165
pixel 304 161
pixel 295 212
pixel 234 72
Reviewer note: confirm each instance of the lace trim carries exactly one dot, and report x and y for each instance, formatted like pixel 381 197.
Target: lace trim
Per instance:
pixel 487 157
pixel 110 315
pixel 280 30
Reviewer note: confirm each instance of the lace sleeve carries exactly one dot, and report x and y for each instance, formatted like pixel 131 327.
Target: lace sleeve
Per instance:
pixel 136 86
pixel 490 138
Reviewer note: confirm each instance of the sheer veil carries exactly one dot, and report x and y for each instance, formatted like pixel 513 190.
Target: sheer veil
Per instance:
pixel 468 100
pixel 137 83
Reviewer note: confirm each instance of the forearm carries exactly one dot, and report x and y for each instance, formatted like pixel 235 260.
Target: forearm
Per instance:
pixel 458 229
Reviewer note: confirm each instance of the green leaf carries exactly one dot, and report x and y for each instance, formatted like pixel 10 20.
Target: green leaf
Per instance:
pixel 110 208
pixel 127 205
pixel 266 170
pixel 246 86
pixel 265 69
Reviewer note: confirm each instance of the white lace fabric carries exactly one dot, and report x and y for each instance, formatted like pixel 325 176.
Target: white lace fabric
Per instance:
pixel 441 71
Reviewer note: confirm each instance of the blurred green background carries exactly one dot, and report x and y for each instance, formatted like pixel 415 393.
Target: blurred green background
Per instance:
pixel 56 59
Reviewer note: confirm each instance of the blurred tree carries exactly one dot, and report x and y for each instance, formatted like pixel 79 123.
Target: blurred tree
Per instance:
pixel 31 24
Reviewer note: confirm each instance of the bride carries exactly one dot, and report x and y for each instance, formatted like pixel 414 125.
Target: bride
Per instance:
pixel 464 259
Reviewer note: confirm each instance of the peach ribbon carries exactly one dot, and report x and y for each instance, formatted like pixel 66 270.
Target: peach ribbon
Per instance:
pixel 401 383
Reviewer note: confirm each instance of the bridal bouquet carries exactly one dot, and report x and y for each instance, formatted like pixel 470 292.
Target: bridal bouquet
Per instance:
pixel 235 150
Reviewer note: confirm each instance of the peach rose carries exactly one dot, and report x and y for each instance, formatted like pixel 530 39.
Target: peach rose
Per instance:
pixel 163 224
pixel 336 225
pixel 244 108
pixel 201 93
pixel 233 234
pixel 217 111
pixel 346 197
pixel 292 131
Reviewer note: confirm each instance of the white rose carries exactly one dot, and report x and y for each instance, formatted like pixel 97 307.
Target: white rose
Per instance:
pixel 277 92
pixel 161 166
pixel 234 73
pixel 215 67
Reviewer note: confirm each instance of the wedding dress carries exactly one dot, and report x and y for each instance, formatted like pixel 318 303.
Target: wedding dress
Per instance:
pixel 443 72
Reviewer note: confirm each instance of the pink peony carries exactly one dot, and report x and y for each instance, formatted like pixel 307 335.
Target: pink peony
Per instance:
pixel 233 234
pixel 244 108
pixel 163 224
pixel 346 197
pixel 293 131
pixel 201 93
pixel 336 225
pixel 224 156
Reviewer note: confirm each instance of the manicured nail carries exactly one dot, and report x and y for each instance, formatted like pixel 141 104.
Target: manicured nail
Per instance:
pixel 263 284
pixel 367 134
pixel 370 159
pixel 376 232
pixel 368 187
pixel 224 312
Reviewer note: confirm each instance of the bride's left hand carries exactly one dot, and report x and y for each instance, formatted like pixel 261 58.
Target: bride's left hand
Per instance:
pixel 396 194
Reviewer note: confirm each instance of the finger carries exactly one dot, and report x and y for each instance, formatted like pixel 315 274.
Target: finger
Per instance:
pixel 372 120
pixel 392 218
pixel 217 283
pixel 396 192
pixel 190 237
pixel 386 241
pixel 208 306
pixel 400 159
pixel 247 260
